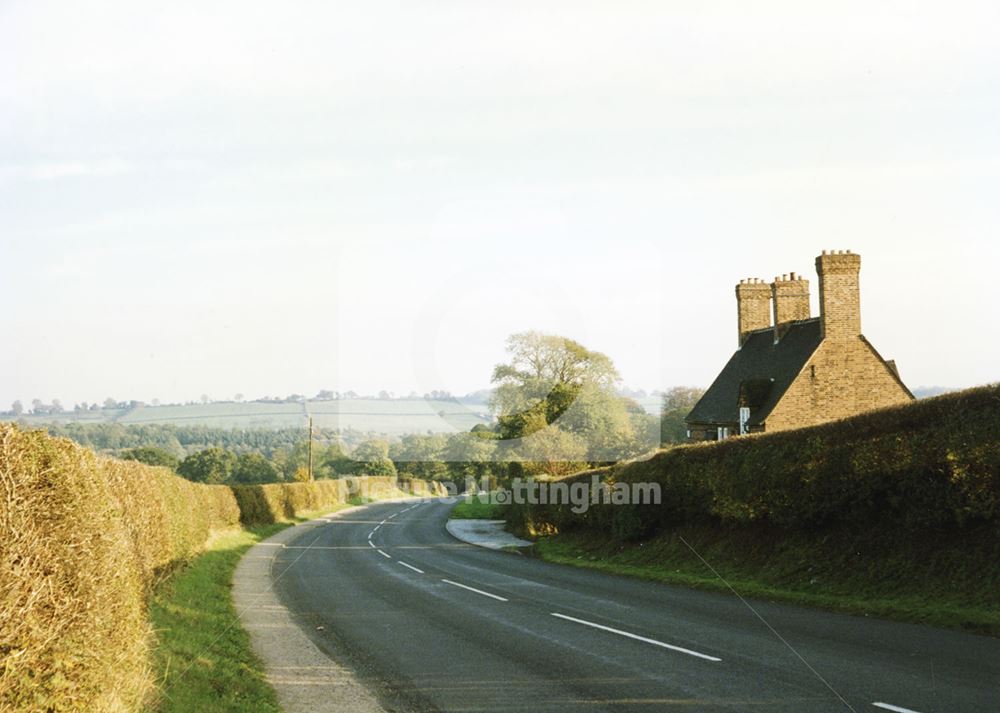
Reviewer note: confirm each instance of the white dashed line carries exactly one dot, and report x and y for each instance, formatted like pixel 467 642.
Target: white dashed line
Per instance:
pixel 410 566
pixel 890 707
pixel 370 543
pixel 387 556
pixel 654 642
pixel 473 589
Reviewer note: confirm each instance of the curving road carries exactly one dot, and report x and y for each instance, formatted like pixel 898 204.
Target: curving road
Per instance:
pixel 430 623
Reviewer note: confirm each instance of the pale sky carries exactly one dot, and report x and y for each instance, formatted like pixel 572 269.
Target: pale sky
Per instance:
pixel 267 198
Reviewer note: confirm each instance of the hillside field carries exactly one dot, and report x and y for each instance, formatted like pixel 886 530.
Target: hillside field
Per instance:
pixel 393 417
pixel 390 417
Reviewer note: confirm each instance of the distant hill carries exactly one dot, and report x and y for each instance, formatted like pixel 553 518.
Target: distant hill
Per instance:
pixel 384 416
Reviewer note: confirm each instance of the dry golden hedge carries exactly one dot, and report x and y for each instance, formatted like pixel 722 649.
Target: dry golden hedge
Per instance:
pixel 82 539
pixel 283 502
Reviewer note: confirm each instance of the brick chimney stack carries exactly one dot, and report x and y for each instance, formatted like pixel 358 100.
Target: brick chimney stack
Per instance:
pixel 753 303
pixel 791 302
pixel 839 293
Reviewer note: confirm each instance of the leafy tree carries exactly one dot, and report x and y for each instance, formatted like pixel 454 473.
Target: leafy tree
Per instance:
pixel 373 458
pixel 382 466
pixel 552 381
pixel 252 468
pixel 212 465
pixel 544 376
pixel 553 452
pixel 333 461
pixel 471 454
pixel 677 403
pixel 110 403
pixel 17 408
pixel 150 455
pixel 420 455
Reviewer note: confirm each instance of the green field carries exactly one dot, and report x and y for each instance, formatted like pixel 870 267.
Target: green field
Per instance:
pixel 392 417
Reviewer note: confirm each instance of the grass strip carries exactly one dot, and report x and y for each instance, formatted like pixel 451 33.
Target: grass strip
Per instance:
pixel 203 659
pixel 913 581
pixel 472 508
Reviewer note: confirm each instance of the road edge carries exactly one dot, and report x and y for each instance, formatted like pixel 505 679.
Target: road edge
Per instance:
pixel 305 679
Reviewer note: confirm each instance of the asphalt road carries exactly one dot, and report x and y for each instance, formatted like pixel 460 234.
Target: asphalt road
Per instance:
pixel 430 623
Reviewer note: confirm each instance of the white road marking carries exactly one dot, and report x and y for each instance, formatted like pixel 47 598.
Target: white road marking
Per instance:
pixel 387 556
pixel 410 566
pixel 654 642
pixel 890 707
pixel 392 516
pixel 473 589
pixel 370 543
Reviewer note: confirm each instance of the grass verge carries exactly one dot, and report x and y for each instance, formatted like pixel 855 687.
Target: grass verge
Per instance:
pixel 472 508
pixel 924 580
pixel 202 656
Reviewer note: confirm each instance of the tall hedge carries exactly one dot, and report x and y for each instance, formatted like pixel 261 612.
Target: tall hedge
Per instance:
pixel 83 538
pixel 282 502
pixel 933 463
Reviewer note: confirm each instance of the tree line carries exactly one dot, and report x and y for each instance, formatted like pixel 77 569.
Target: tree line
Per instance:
pixel 557 408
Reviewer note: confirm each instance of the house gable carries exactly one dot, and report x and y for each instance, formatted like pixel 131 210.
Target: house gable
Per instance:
pixel 842 378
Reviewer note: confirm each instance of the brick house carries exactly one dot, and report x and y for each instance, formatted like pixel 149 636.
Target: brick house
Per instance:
pixel 798 370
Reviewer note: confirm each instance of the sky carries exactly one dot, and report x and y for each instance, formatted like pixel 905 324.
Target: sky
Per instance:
pixel 270 198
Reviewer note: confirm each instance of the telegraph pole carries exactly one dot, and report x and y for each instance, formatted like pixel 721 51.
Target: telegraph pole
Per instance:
pixel 310 448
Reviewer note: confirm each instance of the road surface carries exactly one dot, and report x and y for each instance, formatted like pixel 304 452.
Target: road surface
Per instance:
pixel 429 623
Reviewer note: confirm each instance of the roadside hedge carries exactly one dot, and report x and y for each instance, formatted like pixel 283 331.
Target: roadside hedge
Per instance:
pixel 83 538
pixel 283 502
pixel 933 463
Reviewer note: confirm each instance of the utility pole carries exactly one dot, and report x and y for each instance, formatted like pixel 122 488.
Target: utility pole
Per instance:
pixel 310 448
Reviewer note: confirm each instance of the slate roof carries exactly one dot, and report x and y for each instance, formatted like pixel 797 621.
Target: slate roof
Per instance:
pixel 758 374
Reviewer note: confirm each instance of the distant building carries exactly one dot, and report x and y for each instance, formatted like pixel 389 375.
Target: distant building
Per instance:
pixel 797 370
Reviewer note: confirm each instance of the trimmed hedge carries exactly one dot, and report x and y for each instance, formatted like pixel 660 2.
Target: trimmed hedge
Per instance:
pixel 83 539
pixel 933 463
pixel 283 502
